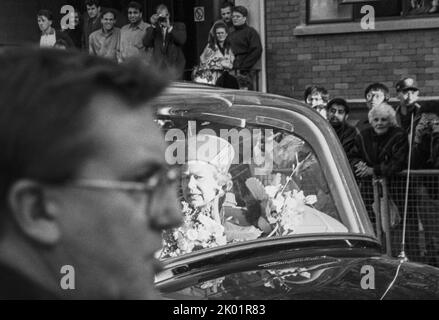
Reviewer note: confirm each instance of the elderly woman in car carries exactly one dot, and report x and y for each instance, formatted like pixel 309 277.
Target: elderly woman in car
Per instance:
pixel 205 175
pixel 382 148
pixel 205 184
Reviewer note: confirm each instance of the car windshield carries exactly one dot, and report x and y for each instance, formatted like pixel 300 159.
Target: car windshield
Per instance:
pixel 243 181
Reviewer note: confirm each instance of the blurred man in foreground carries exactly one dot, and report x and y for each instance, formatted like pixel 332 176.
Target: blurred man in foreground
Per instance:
pixel 84 192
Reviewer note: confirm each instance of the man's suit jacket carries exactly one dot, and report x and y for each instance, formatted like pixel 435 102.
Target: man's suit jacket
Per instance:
pixel 167 52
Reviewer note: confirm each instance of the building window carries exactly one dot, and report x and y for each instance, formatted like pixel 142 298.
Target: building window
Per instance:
pixel 327 11
pixel 323 11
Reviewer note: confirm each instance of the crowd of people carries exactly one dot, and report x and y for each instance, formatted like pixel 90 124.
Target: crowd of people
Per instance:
pixel 232 51
pixel 382 141
pixel 159 42
pixel 382 145
pixel 228 60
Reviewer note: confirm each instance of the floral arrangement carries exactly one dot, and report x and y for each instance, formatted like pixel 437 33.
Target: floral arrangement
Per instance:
pixel 213 66
pixel 199 231
pixel 216 63
pixel 283 210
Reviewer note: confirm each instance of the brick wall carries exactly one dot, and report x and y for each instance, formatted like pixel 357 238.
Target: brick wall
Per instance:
pixel 344 63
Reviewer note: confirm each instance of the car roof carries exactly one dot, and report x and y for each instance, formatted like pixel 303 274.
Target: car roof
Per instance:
pixel 234 98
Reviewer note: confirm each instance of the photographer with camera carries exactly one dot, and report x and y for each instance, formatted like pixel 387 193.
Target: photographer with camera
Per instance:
pixel 166 40
pixel 408 95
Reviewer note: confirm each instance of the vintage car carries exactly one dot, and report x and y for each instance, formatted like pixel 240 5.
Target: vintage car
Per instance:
pixel 291 224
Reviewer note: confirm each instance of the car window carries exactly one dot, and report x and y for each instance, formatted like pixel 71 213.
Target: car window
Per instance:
pixel 245 181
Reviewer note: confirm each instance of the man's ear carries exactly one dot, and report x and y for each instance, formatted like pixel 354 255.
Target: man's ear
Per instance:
pixel 346 116
pixel 34 215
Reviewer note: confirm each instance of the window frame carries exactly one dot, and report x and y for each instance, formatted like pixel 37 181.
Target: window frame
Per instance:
pixel 403 16
pixel 310 22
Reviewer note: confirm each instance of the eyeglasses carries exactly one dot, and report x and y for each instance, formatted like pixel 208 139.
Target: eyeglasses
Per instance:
pixel 162 178
pixel 382 119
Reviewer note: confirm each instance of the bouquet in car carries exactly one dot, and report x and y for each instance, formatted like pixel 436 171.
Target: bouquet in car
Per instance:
pixel 199 231
pixel 283 210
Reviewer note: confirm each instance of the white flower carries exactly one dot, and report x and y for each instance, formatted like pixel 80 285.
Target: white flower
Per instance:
pixel 290 220
pixel 182 244
pixel 287 221
pixel 221 241
pixel 278 202
pixel 271 190
pixel 291 204
pixel 311 199
pixel 192 234
pixel 203 235
pixel 211 225
pixel 299 196
pixel 186 208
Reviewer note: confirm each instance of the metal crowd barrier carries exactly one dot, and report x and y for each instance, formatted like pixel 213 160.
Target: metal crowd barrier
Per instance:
pixel 384 200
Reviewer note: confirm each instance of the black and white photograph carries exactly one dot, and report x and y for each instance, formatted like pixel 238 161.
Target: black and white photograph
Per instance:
pixel 196 151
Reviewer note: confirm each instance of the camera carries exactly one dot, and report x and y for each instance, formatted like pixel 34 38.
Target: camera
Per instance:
pixel 161 19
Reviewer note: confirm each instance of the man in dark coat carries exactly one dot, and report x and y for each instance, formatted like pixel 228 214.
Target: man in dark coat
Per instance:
pixel 338 113
pixel 76 33
pixel 166 41
pixel 92 21
pixel 246 45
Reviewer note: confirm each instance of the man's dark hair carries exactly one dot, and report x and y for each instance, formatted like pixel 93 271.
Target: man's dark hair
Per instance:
pixel 45 13
pixel 339 102
pixel 227 4
pixel 109 10
pixel 240 9
pixel 378 87
pixel 309 91
pixel 45 108
pixel 92 3
pixel 135 5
